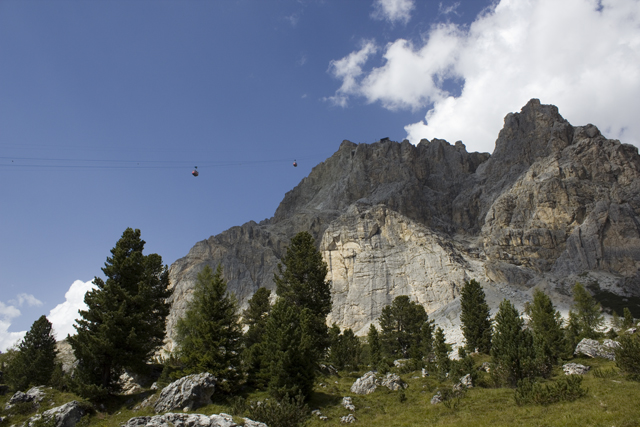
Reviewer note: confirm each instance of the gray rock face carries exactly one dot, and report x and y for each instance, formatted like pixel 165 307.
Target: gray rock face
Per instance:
pixel 189 392
pixel 189 420
pixel 437 398
pixel 593 348
pixel 575 369
pixel 348 419
pixel 366 384
pixel 66 415
pixel 552 202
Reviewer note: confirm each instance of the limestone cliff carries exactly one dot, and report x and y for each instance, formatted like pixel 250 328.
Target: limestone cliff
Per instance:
pixel 553 202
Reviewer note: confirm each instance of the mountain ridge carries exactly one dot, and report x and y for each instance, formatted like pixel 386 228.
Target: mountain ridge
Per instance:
pixel 552 202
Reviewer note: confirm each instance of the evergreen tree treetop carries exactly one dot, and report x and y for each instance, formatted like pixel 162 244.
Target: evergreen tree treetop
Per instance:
pixel 209 336
pixel 475 318
pixel 302 281
pixel 34 361
pixel 125 318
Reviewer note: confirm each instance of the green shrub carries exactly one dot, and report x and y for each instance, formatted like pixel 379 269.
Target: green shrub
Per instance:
pixel 284 413
pixel 605 373
pixel 628 356
pixel 451 397
pixel 565 389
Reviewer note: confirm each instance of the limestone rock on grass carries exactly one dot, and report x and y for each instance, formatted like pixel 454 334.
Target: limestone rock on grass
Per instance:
pixel 189 392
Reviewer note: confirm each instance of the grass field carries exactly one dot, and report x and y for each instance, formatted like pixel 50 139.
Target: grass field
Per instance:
pixel 611 400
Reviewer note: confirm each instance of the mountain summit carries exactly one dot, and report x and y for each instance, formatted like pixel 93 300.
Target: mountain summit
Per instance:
pixel 552 205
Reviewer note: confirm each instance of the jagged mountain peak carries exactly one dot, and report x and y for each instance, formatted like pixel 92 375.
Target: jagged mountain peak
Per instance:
pixel 552 202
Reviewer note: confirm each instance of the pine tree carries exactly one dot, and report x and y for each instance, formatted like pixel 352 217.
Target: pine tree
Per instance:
pixel 441 352
pixel 125 320
pixel 34 362
pixel 289 348
pixel 475 318
pixel 546 326
pixel 512 351
pixel 254 318
pixel 209 337
pixel 373 339
pixel 627 318
pixel 404 325
pixel 345 349
pixel 301 281
pixel 296 335
pixel 585 317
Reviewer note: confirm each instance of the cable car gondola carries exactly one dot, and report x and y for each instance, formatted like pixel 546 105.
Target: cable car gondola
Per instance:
pixel 195 172
pixel 295 164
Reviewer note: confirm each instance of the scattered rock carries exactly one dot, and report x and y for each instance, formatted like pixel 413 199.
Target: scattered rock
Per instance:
pixel 34 394
pixel 437 398
pixel 328 369
pixel 66 415
pixel 575 369
pixel 189 420
pixel 348 419
pixel 631 331
pixel 486 367
pixel 189 392
pixel 593 348
pixel 366 384
pixel 129 384
pixel 465 382
pixel 400 363
pixel 393 382
pixel 425 373
pixel 154 386
pixel 318 414
pixel 348 403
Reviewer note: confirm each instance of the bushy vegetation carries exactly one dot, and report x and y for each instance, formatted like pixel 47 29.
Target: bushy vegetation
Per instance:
pixel 284 344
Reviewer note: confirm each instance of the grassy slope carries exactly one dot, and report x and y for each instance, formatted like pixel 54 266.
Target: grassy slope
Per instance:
pixel 612 401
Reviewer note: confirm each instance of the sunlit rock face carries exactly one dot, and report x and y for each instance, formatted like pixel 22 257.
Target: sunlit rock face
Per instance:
pixel 552 204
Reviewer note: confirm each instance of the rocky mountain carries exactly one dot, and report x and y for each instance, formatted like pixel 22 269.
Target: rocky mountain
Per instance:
pixel 553 204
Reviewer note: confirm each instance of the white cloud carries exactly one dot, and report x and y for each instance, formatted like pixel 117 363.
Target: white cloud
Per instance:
pixel 393 10
pixel 7 339
pixel 64 315
pixel 26 298
pixel 446 10
pixel 349 69
pixel 575 54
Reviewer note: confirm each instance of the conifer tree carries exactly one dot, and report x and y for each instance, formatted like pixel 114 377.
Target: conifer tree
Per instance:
pixel 475 318
pixel 255 320
pixel 512 351
pixel 373 339
pixel 441 352
pixel 404 325
pixel 296 335
pixel 124 322
pixel 289 349
pixel 627 318
pixel 345 349
pixel 34 361
pixel 585 317
pixel 546 326
pixel 301 281
pixel 209 335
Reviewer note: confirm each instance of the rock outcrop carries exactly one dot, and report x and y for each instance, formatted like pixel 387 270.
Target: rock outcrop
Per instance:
pixel 593 348
pixel 189 420
pixel 552 204
pixel 188 392
pixel 66 415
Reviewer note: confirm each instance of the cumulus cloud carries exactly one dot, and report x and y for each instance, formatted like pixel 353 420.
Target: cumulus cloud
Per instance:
pixel 581 55
pixel 393 10
pixel 8 339
pixel 64 315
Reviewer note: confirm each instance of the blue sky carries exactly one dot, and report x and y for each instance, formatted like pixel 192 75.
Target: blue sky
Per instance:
pixel 106 107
